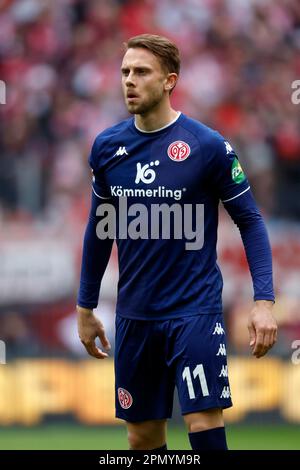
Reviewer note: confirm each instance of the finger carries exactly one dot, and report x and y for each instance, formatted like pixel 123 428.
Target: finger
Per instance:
pixel 94 351
pixel 274 336
pixel 259 344
pixel 267 343
pixel 270 337
pixel 268 340
pixel 104 341
pixel 252 335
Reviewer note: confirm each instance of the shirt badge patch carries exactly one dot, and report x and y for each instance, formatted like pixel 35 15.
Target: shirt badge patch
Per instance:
pixel 178 151
pixel 125 399
pixel 237 173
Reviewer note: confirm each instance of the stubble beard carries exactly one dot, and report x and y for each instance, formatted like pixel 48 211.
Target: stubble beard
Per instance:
pixel 145 107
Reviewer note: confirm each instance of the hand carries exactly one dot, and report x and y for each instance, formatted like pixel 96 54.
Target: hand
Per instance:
pixel 89 328
pixel 262 328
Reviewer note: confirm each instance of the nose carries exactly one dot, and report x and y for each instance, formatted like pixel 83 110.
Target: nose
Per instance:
pixel 129 81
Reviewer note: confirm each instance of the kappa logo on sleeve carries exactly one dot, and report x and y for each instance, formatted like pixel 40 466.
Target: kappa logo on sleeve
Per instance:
pixel 228 147
pixel 125 399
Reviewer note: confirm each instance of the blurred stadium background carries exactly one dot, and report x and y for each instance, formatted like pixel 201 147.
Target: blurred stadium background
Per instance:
pixel 60 62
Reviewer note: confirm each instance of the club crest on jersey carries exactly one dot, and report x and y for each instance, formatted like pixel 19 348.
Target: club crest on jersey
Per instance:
pixel 125 399
pixel 178 151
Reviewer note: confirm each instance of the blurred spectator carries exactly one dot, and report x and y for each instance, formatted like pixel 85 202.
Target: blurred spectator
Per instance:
pixel 16 333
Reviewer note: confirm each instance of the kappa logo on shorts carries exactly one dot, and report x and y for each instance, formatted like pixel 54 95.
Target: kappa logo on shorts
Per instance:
pixel 218 329
pixel 222 350
pixel 125 399
pixel 179 151
pixel 224 371
pixel 225 393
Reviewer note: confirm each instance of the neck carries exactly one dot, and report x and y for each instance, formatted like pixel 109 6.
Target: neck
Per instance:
pixel 155 119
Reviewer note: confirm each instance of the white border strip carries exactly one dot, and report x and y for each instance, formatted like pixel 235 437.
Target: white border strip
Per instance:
pixel 101 197
pixel 226 200
pixel 161 128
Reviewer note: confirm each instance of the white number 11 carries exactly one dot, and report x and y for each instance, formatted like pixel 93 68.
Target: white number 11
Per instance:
pixel 186 375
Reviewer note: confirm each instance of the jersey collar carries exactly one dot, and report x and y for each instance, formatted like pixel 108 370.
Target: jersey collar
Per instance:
pixel 160 128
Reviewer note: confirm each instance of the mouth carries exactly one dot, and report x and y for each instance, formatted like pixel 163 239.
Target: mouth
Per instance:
pixel 131 96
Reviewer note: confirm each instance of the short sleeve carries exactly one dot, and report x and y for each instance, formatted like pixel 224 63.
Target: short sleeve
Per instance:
pixel 98 181
pixel 228 176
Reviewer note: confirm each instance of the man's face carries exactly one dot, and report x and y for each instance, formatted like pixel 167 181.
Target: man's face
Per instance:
pixel 143 80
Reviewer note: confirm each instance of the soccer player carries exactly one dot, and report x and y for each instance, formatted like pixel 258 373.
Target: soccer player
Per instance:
pixel 156 173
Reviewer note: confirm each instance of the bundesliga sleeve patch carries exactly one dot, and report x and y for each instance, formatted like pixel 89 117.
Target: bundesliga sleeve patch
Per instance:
pixel 237 174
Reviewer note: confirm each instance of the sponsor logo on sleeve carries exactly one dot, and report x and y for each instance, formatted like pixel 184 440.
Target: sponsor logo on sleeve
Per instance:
pixel 237 173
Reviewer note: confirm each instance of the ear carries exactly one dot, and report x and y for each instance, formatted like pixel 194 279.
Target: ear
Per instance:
pixel 171 81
